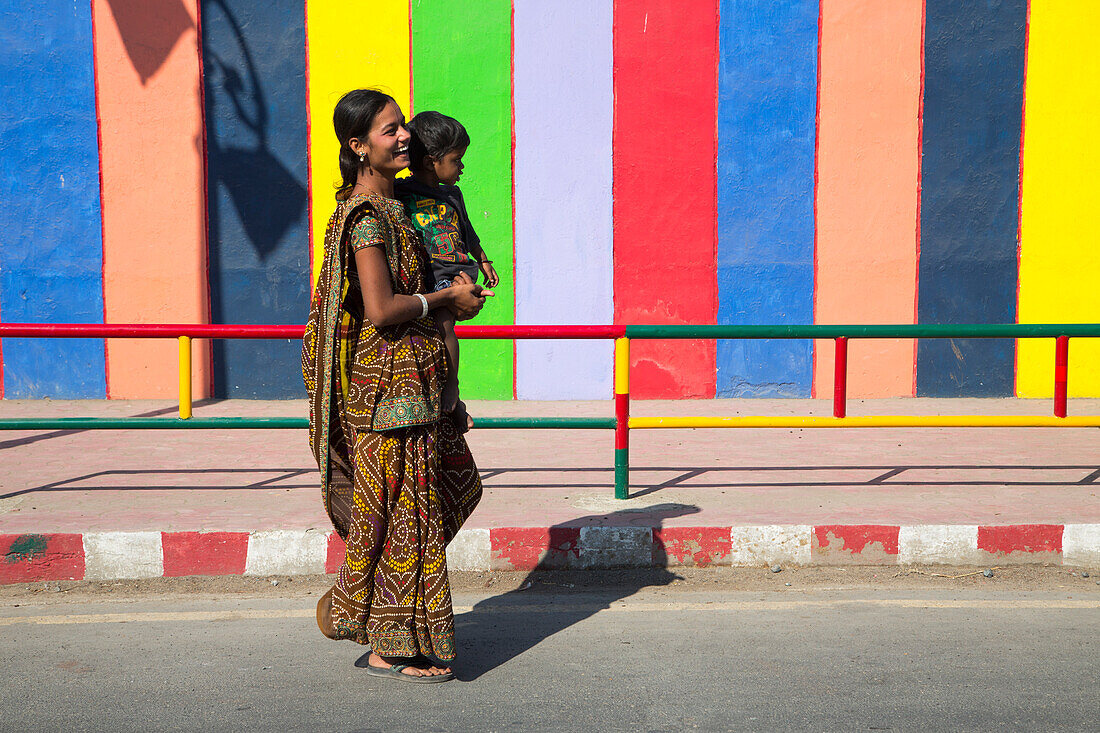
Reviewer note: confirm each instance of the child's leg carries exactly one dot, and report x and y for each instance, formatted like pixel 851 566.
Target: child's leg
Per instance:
pixel 445 322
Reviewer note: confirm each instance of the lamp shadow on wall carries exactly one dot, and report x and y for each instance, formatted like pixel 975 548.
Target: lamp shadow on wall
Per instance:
pixel 267 197
pixel 150 29
pixel 254 201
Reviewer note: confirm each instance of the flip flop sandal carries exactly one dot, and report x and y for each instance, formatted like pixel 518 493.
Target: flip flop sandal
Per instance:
pixel 395 671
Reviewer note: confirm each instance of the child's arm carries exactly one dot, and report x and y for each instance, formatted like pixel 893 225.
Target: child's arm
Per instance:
pixel 486 266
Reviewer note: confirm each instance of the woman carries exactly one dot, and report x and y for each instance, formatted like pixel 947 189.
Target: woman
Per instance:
pixel 397 477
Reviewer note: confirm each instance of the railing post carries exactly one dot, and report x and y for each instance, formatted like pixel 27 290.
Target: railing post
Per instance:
pixel 622 418
pixel 185 377
pixel 1061 374
pixel 840 377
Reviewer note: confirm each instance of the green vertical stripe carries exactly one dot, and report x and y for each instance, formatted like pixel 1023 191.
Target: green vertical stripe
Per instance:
pixel 462 68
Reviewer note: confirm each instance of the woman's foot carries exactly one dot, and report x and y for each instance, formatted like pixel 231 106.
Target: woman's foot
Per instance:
pixel 324 615
pixel 419 666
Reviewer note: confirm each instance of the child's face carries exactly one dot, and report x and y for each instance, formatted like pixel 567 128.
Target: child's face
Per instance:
pixel 449 168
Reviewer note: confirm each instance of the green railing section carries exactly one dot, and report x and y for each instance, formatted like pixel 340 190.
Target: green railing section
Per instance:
pixel 972 330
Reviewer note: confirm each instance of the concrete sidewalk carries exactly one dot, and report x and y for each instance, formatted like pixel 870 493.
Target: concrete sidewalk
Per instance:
pixel 113 504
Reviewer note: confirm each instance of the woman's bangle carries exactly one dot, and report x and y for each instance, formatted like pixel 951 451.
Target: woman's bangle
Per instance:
pixel 423 304
pixel 485 262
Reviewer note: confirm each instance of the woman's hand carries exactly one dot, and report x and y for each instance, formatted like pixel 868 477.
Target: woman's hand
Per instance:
pixel 467 297
pixel 491 278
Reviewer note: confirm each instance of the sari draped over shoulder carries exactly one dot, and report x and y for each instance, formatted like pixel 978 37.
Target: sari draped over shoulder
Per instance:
pixel 397 479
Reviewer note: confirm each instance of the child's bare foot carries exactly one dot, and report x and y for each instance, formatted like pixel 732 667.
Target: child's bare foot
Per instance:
pixel 463 421
pixel 449 398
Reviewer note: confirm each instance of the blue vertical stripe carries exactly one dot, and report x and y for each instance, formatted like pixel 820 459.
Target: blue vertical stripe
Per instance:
pixel 256 136
pixel 767 106
pixel 973 96
pixel 51 243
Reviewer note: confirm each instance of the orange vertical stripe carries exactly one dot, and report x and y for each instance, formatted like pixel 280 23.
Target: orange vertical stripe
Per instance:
pixel 154 241
pixel 867 187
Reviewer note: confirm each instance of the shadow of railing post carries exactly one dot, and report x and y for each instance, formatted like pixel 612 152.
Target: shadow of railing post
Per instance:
pixel 502 627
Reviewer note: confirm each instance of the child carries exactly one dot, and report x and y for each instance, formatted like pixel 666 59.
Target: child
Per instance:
pixel 435 206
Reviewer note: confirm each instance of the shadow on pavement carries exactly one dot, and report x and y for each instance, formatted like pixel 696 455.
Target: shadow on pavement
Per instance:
pixel 501 628
pixel 724 477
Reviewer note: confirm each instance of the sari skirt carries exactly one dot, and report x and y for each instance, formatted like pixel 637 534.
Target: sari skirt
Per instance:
pixel 412 488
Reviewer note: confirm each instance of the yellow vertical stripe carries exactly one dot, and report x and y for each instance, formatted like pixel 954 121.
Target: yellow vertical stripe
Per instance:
pixel 1060 219
pixel 351 45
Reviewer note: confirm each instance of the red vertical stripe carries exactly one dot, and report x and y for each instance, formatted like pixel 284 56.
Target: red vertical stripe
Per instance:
pixel 412 77
pixel 920 172
pixel 512 106
pixel 664 184
pixel 102 226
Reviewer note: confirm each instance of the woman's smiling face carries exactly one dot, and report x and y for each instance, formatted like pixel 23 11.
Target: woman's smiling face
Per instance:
pixel 387 146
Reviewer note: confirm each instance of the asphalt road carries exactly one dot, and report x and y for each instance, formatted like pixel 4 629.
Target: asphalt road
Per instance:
pixel 631 658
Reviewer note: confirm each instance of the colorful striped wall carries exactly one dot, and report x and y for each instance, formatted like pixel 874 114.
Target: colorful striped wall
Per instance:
pixel 708 161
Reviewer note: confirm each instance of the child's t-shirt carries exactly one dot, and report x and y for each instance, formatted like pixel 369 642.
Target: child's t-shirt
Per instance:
pixel 439 215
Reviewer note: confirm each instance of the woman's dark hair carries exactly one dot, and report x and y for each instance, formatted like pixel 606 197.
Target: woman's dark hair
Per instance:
pixel 434 134
pixel 353 117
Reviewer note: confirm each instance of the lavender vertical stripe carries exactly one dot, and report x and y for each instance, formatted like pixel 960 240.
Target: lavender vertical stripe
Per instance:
pixel 563 107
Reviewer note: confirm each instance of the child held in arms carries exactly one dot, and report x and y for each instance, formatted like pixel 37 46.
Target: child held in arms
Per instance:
pixel 434 204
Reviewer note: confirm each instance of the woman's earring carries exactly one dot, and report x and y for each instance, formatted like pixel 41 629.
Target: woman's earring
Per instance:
pixel 362 157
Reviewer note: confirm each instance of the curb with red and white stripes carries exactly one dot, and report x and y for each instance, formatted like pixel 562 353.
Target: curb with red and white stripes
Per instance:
pixel 126 555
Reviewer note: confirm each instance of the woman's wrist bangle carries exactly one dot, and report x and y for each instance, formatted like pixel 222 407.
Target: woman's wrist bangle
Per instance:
pixel 485 262
pixel 423 304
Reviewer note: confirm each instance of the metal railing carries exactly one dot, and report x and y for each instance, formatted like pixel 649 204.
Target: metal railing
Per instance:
pixel 621 423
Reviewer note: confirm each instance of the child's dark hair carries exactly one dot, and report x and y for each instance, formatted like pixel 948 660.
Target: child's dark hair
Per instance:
pixel 353 117
pixel 434 134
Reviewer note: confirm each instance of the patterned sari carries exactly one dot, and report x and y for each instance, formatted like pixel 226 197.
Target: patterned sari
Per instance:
pixel 397 479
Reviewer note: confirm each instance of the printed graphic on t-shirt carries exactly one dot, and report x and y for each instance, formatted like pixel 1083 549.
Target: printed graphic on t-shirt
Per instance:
pixel 439 223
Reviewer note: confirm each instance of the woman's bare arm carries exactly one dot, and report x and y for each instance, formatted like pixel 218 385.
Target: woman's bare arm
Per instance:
pixel 385 308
